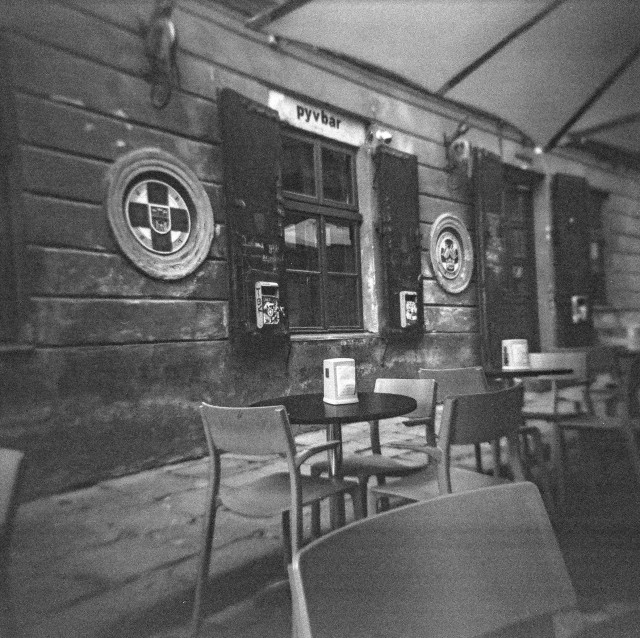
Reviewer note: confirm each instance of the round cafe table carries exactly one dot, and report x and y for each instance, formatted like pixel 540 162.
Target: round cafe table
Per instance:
pixel 308 409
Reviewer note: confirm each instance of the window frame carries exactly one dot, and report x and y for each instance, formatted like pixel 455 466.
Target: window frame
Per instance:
pixel 324 210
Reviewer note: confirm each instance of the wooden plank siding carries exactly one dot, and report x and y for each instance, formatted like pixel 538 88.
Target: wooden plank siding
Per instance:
pixel 621 221
pixel 114 321
pixel 75 273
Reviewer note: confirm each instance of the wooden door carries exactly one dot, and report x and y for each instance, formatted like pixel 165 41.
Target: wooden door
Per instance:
pixel 506 255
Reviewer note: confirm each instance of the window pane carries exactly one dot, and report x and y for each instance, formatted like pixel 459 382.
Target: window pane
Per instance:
pixel 342 302
pixel 303 298
pixel 298 174
pixel 301 242
pixel 340 247
pixel 336 176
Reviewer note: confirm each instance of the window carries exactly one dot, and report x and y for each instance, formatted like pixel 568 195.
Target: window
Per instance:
pixel 321 235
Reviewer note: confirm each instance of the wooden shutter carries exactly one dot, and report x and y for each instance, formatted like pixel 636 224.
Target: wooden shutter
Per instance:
pixel 506 260
pixel 252 148
pixel 399 227
pixel 570 241
pixel 9 237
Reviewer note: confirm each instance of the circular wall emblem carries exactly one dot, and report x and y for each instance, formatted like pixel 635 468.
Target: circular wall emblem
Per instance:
pixel 158 216
pixel 159 213
pixel 451 252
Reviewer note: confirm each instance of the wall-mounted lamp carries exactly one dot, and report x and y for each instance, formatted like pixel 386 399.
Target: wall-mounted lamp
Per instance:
pixel 459 156
pixel 160 42
pixel 379 135
pixel 461 129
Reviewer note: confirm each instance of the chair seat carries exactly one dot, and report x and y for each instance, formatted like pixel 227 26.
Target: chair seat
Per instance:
pixel 369 465
pixel 424 485
pixel 271 495
pixel 543 415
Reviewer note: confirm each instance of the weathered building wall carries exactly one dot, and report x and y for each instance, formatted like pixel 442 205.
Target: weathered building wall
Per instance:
pixel 119 361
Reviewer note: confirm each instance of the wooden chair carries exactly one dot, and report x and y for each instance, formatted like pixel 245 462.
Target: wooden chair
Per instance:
pixel 472 380
pixel 480 563
pixel 10 470
pixel 467 419
pixel 568 413
pixel 454 381
pixel 261 431
pixel 363 466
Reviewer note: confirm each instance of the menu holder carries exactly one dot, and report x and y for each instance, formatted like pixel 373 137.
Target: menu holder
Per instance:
pixel 515 354
pixel 340 381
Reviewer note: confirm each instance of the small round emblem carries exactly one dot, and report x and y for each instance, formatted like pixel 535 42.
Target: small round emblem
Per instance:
pixel 158 216
pixel 451 252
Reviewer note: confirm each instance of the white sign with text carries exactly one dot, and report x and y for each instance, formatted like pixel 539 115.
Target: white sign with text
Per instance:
pixel 316 119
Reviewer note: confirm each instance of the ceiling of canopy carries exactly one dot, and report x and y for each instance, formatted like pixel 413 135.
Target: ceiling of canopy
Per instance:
pixel 563 72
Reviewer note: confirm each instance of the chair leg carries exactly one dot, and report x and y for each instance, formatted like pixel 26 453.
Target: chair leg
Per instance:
pixel 533 456
pixel 316 530
pixel 362 496
pixel 372 503
pixel 359 511
pixel 382 501
pixel 203 568
pixel 557 461
pixel 632 449
pixel 286 537
pixel 478 455
pixel 315 509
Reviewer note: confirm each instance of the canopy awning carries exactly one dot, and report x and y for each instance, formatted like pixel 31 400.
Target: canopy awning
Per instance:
pixel 560 71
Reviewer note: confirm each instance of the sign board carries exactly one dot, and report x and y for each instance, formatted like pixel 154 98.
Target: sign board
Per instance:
pixel 317 119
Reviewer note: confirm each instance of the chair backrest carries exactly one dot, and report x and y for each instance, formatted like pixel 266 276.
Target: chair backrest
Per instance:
pixel 454 381
pixel 479 418
pixel 10 465
pixel 422 390
pixel 256 431
pixel 457 566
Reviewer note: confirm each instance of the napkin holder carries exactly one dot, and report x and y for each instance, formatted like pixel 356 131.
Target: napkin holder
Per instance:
pixel 515 354
pixel 340 381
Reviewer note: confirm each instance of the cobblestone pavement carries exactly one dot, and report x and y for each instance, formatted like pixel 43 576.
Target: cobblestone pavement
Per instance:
pixel 119 558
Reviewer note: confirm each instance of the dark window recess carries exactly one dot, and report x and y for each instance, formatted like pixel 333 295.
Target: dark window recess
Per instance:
pixel 506 255
pixel 571 242
pixel 396 183
pixel 252 153
pixel 597 280
pixel 321 235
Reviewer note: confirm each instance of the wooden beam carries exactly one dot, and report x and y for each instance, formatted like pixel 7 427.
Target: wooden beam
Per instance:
pixel 630 118
pixel 265 17
pixel 618 71
pixel 478 62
